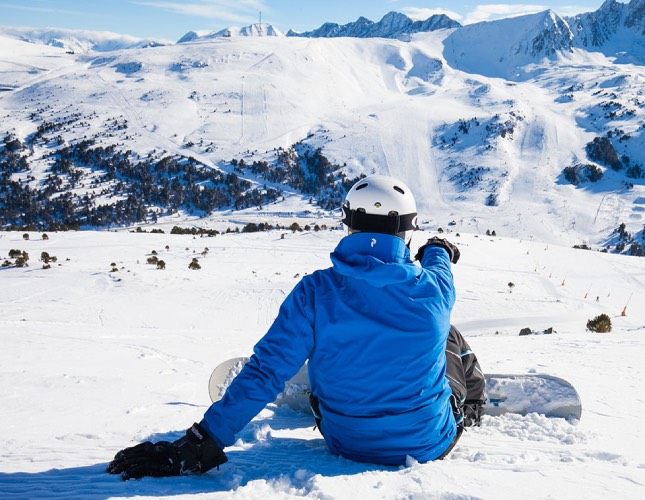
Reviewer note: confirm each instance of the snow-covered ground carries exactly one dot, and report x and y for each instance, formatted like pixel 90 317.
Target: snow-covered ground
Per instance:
pixel 93 360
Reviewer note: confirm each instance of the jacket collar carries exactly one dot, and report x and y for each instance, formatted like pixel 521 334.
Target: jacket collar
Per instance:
pixel 377 258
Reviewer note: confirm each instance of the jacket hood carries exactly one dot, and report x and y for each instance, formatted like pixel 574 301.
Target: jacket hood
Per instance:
pixel 379 259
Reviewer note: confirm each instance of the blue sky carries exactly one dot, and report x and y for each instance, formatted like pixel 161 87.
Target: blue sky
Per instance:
pixel 170 19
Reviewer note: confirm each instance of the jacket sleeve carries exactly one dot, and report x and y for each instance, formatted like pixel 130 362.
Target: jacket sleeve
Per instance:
pixel 436 263
pixel 277 357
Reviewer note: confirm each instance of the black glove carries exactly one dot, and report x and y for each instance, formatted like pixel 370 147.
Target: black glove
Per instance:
pixel 193 453
pixel 473 411
pixel 452 250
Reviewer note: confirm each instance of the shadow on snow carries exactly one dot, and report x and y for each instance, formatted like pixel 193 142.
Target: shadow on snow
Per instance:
pixel 285 463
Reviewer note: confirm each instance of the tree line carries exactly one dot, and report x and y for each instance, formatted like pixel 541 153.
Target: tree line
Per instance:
pixel 120 188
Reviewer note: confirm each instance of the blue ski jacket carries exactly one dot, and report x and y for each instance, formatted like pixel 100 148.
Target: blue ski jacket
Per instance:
pixel 374 329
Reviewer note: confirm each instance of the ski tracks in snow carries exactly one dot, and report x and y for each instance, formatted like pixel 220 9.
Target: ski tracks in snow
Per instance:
pixel 402 154
pixel 253 111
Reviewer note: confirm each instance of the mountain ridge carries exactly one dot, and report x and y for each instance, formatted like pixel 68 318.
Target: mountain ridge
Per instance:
pixel 392 25
pixel 587 30
pixel 613 28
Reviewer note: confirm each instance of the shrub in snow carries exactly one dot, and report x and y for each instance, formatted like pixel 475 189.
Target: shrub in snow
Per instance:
pixel 152 260
pixel 600 324
pixel 21 261
pixel 12 144
pixel 21 257
pixel 579 173
pixel 491 200
pixel 161 264
pixel 194 264
pixel 252 227
pixel 25 236
pixel 635 172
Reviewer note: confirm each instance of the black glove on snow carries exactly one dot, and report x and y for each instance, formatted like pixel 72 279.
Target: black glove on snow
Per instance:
pixel 192 454
pixel 452 250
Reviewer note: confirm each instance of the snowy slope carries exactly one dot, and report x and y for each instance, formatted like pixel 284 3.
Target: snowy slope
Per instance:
pixel 482 136
pixel 94 360
pixel 509 44
pixel 23 62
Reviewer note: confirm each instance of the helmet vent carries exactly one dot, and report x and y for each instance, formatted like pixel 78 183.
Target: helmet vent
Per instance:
pixel 362 186
pixel 397 188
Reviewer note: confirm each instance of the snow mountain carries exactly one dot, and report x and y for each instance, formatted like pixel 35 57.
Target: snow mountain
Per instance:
pixel 500 48
pixel 613 28
pixel 257 29
pixel 78 41
pixel 393 25
pixel 512 125
pixel 616 30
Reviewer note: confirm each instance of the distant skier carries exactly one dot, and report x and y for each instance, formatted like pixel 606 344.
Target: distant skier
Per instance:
pixel 390 378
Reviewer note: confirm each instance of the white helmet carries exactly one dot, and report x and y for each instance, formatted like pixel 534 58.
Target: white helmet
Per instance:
pixel 380 204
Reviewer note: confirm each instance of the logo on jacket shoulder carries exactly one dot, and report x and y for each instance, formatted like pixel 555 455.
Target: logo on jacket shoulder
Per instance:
pixel 373 242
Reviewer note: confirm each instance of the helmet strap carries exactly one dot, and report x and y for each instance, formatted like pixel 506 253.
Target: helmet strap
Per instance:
pixel 373 223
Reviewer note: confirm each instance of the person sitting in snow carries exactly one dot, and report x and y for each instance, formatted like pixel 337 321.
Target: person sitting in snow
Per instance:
pixel 390 377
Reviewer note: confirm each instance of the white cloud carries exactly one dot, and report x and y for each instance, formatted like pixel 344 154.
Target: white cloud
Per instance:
pixel 421 14
pixel 574 10
pixel 498 11
pixel 46 10
pixel 228 10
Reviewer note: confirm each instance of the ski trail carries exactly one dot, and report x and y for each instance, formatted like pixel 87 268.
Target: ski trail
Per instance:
pixel 254 120
pixel 242 111
pixel 406 159
pixel 121 101
pixel 532 155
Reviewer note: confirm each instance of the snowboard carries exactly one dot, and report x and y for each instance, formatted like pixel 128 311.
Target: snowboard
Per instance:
pixel 506 393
